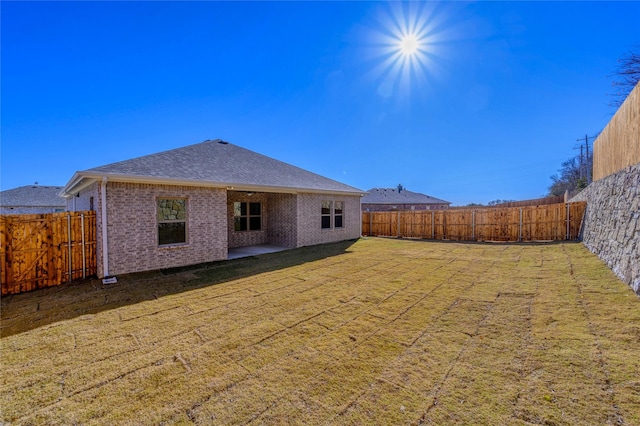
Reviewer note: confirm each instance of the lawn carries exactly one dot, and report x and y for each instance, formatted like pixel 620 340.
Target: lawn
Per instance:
pixel 374 331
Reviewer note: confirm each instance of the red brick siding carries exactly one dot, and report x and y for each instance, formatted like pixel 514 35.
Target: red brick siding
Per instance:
pixel 133 232
pixel 283 220
pixel 247 238
pixel 309 219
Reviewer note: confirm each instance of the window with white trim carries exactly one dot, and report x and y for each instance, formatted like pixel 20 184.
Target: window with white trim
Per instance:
pixel 325 213
pixel 172 221
pixel 332 214
pixel 338 214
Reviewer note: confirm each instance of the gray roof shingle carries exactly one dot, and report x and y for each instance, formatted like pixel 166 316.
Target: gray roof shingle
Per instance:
pixel 32 196
pixel 215 161
pixel 393 196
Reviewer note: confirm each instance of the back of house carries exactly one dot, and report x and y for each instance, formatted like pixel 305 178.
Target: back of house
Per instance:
pixel 193 204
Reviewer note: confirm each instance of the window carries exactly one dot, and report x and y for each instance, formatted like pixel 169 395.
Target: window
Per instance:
pixel 172 221
pixel 332 212
pixel 338 207
pixel 326 214
pixel 247 216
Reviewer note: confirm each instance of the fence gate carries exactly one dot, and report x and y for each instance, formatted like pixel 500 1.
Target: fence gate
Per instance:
pixel 43 250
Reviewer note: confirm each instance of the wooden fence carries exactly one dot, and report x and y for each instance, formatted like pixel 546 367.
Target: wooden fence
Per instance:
pixel 551 222
pixel 618 145
pixel 43 250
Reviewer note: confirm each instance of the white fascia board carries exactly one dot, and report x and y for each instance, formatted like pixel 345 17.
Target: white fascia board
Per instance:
pixel 77 183
pixel 91 177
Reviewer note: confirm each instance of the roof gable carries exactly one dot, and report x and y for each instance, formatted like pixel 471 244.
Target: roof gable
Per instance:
pixel 218 162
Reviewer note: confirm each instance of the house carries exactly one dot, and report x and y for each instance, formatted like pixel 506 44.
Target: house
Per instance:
pixel 193 204
pixel 31 199
pixel 388 199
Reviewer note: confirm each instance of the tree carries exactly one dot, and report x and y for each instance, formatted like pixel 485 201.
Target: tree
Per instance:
pixel 499 201
pixel 626 76
pixel 571 177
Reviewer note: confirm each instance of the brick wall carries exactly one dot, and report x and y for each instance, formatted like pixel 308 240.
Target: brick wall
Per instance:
pixel 133 231
pixel 247 238
pixel 289 220
pixel 309 219
pixel 283 218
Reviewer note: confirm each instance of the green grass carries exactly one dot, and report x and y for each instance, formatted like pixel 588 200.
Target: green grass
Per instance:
pixel 376 331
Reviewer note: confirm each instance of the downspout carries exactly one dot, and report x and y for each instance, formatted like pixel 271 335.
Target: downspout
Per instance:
pixel 360 210
pixel 105 250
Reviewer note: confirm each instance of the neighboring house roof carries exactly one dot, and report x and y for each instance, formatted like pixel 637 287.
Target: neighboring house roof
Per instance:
pixel 32 196
pixel 395 196
pixel 211 163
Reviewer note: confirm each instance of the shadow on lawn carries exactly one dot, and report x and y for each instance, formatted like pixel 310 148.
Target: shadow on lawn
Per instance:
pixel 27 311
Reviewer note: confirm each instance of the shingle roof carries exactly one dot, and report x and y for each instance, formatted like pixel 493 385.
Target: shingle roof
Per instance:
pixel 218 162
pixel 32 196
pixel 393 196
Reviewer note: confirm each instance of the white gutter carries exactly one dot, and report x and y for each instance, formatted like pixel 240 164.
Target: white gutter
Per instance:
pixel 360 212
pixel 103 220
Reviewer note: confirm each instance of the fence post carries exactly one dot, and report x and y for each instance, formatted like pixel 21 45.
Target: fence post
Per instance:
pixel 398 225
pixel 51 275
pixel 370 223
pixel 84 256
pixel 473 225
pixel 520 231
pixel 69 245
pixel 8 285
pixel 433 225
pixel 444 225
pixel 568 223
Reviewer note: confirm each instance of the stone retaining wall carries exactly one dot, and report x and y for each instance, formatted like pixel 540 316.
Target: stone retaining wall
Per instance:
pixel 611 226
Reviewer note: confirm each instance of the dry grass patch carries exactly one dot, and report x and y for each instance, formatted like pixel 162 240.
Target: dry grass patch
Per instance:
pixel 375 331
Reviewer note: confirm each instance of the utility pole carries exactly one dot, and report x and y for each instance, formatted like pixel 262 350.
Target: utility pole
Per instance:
pixel 587 163
pixel 581 162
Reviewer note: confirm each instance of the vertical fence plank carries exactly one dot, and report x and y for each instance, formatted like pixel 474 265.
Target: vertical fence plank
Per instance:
pixel 84 251
pixel 69 249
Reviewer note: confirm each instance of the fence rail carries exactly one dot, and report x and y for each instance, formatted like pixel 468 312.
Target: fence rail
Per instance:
pixel 44 250
pixel 550 222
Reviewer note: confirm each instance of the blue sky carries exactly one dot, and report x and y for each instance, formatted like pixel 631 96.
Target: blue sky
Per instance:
pixel 488 109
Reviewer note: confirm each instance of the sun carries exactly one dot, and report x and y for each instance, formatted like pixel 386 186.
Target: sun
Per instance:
pixel 409 45
pixel 406 43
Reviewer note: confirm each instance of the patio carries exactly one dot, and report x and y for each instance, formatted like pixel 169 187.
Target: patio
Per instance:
pixel 239 252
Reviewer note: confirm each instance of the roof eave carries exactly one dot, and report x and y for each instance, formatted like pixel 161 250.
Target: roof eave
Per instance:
pixel 81 180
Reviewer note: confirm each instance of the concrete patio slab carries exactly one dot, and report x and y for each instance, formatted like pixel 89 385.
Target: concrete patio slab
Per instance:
pixel 238 252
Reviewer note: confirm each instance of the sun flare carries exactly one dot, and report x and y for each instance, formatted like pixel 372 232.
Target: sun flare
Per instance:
pixel 409 45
